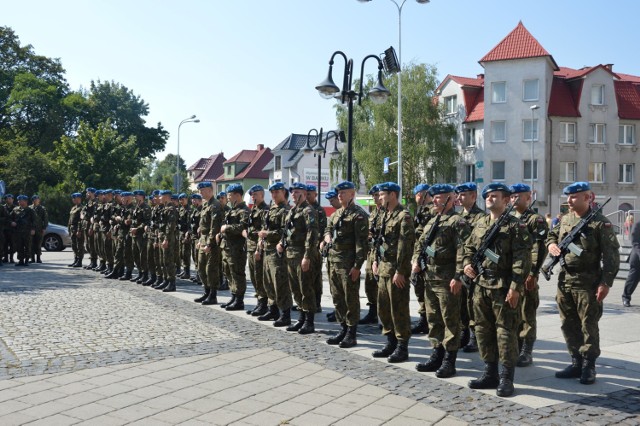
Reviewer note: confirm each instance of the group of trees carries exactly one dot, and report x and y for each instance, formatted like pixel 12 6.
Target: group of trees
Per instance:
pixel 55 140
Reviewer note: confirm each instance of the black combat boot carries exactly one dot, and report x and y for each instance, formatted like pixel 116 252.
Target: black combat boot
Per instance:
pixel 164 284
pixel 137 277
pixel 91 265
pixel 573 371
pixel 422 326
pixel 588 376
pixel 434 362
pixel 298 325
pixel 272 314
pixel 20 263
pixel 308 327
pixel 350 340
pixel 127 276
pixel 158 282
pixel 101 267
pixel 170 288
pixel 525 358
pixel 149 281
pixel 73 264
pixel 237 305
pixel 489 378
pixel 335 340
pixel 388 348
pixel 143 278
pixel 178 271
pixel 108 270
pixel 448 368
pixel 465 336
pixel 505 387
pixel 401 354
pixel 77 265
pixel 371 317
pixel 212 298
pixel 230 302
pixel 186 274
pixel 260 309
pixel 331 316
pixel 224 284
pixel 472 346
pixel 111 274
pixel 318 303
pixel 201 298
pixel 284 320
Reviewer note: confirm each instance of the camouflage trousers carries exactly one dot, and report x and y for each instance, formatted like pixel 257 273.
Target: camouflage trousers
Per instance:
pixel 108 248
pixel 393 309
pixel 151 260
pixel 370 283
pixel 36 243
pixel 124 252
pixel 345 293
pixel 580 313
pixel 255 270
pixel 22 244
pixel 185 251
pixel 528 324
pixel 234 260
pixel 276 282
pixel 209 268
pixel 90 244
pixel 496 326
pixel 176 251
pixel 466 309
pixel 168 260
pixel 419 285
pixel 301 283
pixel 99 240
pixel 443 314
pixel 77 244
pixel 139 251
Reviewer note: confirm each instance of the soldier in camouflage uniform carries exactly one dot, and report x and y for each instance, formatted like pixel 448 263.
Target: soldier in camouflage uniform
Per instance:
pixel 208 248
pixel 584 281
pixel 224 273
pixel 496 298
pixel 106 241
pixel 167 235
pixel 119 232
pixel 255 255
pixel 75 230
pixel 347 240
pixel 184 214
pixel 423 215
pixel 8 230
pixel 150 238
pixel 234 246
pixel 370 283
pixel 466 197
pixel 538 228
pixel 4 224
pixel 140 219
pixel 274 264
pixel 97 230
pixel 88 211
pixel 312 199
pixel 153 248
pixel 175 202
pixel 42 221
pixel 303 257
pixel 128 207
pixel 392 265
pixel 112 203
pixel 194 223
pixel 439 250
pixel 23 223
pixel 332 197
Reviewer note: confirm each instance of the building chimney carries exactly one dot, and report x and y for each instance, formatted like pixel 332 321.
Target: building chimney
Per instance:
pixel 260 147
pixel 480 76
pixel 609 67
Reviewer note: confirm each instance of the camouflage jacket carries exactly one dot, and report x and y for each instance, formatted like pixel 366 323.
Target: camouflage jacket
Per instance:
pixel 140 218
pixel 236 221
pixel 211 216
pixel 167 227
pixel 274 224
pixel 75 223
pixel 256 221
pixel 302 231
pixel 42 217
pixel 399 236
pixel 423 216
pixel 25 219
pixel 537 227
pixel 349 232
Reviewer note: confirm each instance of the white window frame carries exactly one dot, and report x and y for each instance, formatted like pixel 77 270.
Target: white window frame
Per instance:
pixel 565 166
pixel 470 172
pixel 594 133
pixel 451 105
pixel 494 99
pixel 526 134
pixel 597 172
pixel 493 170
pixel 469 137
pixel 626 172
pixel 277 163
pixel 626 131
pixel 524 168
pixel 524 90
pixel 493 130
pixel 597 94
pixel 564 127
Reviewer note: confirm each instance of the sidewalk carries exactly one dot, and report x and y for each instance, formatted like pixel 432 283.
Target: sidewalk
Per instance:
pixel 77 348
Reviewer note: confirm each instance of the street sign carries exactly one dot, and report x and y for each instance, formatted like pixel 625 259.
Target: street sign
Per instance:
pixel 385 168
pixel 479 164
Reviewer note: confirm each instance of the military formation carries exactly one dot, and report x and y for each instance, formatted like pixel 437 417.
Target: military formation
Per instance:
pixel 474 272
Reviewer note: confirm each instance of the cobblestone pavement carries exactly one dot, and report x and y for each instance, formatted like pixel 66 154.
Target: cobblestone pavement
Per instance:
pixel 76 348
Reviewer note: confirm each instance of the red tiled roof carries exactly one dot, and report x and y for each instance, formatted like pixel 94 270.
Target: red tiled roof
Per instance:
pixel 518 44
pixel 244 156
pixel 628 98
pixel 475 107
pixel 629 77
pixel 199 165
pixel 257 162
pixel 213 169
pixel 570 73
pixel 466 81
pixel 562 102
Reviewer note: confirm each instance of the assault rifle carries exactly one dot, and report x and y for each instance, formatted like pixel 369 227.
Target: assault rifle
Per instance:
pixel 426 251
pixel 338 225
pixel 379 239
pixel 567 244
pixel 267 223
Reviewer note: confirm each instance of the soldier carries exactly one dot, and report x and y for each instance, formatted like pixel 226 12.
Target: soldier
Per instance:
pixel 42 221
pixel 496 298
pixel 256 220
pixel 584 281
pixel 224 274
pixel 184 213
pixel 23 220
pixel 439 250
pixel 119 231
pixel 466 197
pixel 211 217
pixel 140 218
pixel 175 202
pixel 167 234
pixel 392 265
pixel 537 226
pixel 156 219
pixel 8 231
pixel 194 223
pixel 150 234
pixel 634 265
pixel 423 215
pixel 87 214
pixel 75 230
pixel 97 230
pixel 4 224
pixel 275 268
pixel 312 199
pixel 127 221
pixel 332 197
pixel 109 237
pixel 370 283
pixel 346 237
pixel 303 257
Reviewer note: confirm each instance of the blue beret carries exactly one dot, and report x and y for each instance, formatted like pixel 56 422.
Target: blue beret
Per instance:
pixel 150 197
pixel 35 197
pixel 576 187
pixel 420 187
pixel 345 185
pixel 117 191
pixel 298 185
pixel 8 196
pixel 22 197
pixel 467 186
pixel 389 187
pixel 205 185
pixel 91 189
pixel 256 188
pixel 221 194
pixel 156 192
pixel 74 195
pixel 374 189
pixel 495 186
pixel 312 188
pixel 182 195
pixel 236 187
pixel 107 191
pixel 174 196
pixel 441 188
pixel 139 192
pixel 276 186
pixel 196 197
pixel 331 194
pixel 165 192
pixel 517 188
pixel 126 194
pixel 99 192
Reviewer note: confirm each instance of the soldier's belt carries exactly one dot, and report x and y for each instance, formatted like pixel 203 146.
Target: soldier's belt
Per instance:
pixel 341 247
pixel 491 275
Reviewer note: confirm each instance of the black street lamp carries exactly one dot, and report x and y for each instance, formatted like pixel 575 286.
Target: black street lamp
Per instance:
pixel 319 150
pixel 378 94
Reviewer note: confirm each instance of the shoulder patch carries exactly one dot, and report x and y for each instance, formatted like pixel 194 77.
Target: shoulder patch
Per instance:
pixel 607 224
pixel 359 217
pixel 540 220
pixel 462 223
pixel 522 225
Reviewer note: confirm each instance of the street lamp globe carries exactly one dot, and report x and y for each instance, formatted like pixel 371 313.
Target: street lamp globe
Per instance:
pixel 328 88
pixel 379 94
pixel 423 1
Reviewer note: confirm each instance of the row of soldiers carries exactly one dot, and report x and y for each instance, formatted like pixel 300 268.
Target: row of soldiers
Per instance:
pixel 475 273
pixel 22 227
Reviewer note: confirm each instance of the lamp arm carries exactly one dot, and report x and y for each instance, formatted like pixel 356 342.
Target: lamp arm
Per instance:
pixel 380 67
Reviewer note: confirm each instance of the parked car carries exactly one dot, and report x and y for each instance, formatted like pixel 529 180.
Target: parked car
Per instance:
pixel 56 238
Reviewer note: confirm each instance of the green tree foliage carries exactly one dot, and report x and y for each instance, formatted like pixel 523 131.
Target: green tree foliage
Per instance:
pixel 161 175
pixel 427 152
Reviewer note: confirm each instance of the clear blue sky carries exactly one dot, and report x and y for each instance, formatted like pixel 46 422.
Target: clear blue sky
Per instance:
pixel 248 68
